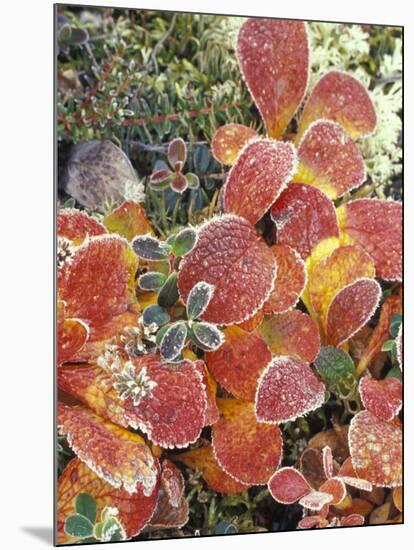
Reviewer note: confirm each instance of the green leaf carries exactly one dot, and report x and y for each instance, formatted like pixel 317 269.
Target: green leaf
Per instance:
pixel 207 336
pixel 78 526
pixel 201 158
pixel 86 506
pixel 153 280
pixel 184 241
pixel 150 248
pixel 388 345
pixel 160 179
pixel 155 314
pixel 173 341
pixel 335 366
pixel 198 299
pixel 193 181
pixel 225 528
pixel 395 372
pixel 395 323
pixel 160 334
pixel 168 294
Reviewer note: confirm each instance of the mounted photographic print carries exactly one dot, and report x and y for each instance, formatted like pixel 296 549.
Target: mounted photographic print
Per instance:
pixel 229 274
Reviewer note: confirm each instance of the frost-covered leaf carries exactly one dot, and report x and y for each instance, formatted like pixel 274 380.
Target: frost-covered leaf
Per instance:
pixel 152 280
pixel 177 152
pixel 343 267
pixel 134 510
pixel 116 455
pixel 212 412
pixel 160 180
pixel 260 173
pixel 287 485
pixel 128 220
pixel 237 364
pixel 72 335
pixel 198 299
pixel 399 346
pixel 336 488
pixel 330 160
pixel 311 466
pixel 290 281
pixel 76 225
pixel 155 314
pixel 245 449
pixel 253 322
pixel 229 140
pixel 376 226
pixel 352 520
pixel 230 255
pixel 78 526
pixel 381 397
pixel 292 333
pixel 274 59
pixel 376 449
pixel 150 248
pixel 98 172
pixel 168 294
pixel 179 183
pixel 207 336
pixel 288 388
pixel 336 367
pixel 316 500
pixel 193 181
pixel 184 241
pixel 173 341
pixel 351 309
pixel 86 506
pixel 172 481
pixel 343 99
pixel 166 514
pixel 203 460
pixel 327 460
pixel 304 216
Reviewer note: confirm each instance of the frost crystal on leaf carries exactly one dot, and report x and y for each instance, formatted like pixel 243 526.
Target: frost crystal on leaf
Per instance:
pixel 129 384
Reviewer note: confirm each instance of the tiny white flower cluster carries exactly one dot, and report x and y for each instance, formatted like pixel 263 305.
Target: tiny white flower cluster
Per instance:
pixel 129 384
pixel 134 191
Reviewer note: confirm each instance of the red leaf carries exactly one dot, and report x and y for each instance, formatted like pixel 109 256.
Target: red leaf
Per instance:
pixel 167 516
pixel 312 467
pixel 274 59
pixel 128 220
pixel 343 99
pixel 376 225
pixel 399 344
pixel 212 412
pixel 116 455
pixel 304 216
pixel 316 500
pixel 288 388
pixel 261 172
pixel 253 323
pixel 330 160
pixel 292 333
pixel 230 255
pixel 381 397
pixel 376 449
pixel 172 481
pixel 72 335
pixel 352 520
pixel 336 488
pixel 290 282
pixel 229 140
pixel 288 485
pixel 134 510
pixel 351 309
pixel 327 461
pixel 246 450
pixel 238 362
pixel 76 225
pixel 203 460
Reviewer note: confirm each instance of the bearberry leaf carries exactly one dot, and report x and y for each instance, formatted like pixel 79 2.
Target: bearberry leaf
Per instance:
pixel 312 466
pixel 376 449
pixel 336 367
pixel 160 179
pixel 274 59
pixel 229 140
pixel 336 488
pixel 155 314
pixel 343 99
pixel 72 335
pixel 316 500
pixel 287 485
pixel 172 481
pixel 230 255
pixel 169 514
pixel 330 160
pixel 399 346
pixel 381 397
pixel 179 183
pixel 78 526
pixel 184 241
pixel 177 152
pixel 151 280
pixel 193 181
pixel 292 333
pixel 376 226
pixel 351 308
pixel 237 364
pixel 288 388
pixel 327 460
pixel 116 455
pixel 352 520
pixel 168 294
pixel 246 450
pixel 260 173
pixel 128 220
pixel 86 506
pixel 290 282
pixel 304 216
pixel 212 412
pixel 173 341
pixel 207 336
pixel 150 248
pixel 198 299
pixel 76 225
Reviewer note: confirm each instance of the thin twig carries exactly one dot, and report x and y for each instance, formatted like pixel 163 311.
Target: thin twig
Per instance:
pixel 159 44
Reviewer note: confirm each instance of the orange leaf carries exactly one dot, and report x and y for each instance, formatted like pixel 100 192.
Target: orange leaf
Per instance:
pixel 292 333
pixel 260 173
pixel 290 282
pixel 336 488
pixel 76 225
pixel 72 335
pixel 116 455
pixel 376 226
pixel 238 362
pixel 343 99
pixel 128 220
pixel 229 140
pixel 330 160
pixel 274 59
pixel 230 255
pixel 134 510
pixel 397 497
pixel 212 412
pixel 304 216
pixel 251 324
pixel 246 450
